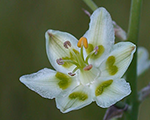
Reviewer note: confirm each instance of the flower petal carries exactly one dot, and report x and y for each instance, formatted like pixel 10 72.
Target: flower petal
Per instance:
pixel 75 99
pixel 109 91
pixel 143 63
pixel 48 83
pixel 86 77
pixel 101 34
pixel 118 60
pixel 55 49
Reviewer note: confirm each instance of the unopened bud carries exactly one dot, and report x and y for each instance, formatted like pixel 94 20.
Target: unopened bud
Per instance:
pixel 114 112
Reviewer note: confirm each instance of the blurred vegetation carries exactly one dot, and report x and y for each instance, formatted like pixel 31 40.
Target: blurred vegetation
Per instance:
pixel 22 49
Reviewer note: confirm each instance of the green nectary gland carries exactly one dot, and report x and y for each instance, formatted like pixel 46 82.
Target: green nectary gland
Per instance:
pixel 100 89
pixel 100 51
pixel 112 69
pixel 78 95
pixel 64 80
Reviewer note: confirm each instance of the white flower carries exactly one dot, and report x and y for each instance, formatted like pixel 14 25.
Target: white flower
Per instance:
pixel 86 70
pixel 143 63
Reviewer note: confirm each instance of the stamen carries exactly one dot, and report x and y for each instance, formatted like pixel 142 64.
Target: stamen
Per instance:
pixel 75 69
pixel 60 61
pixel 71 74
pixel 82 42
pixel 88 67
pixel 96 50
pixel 67 44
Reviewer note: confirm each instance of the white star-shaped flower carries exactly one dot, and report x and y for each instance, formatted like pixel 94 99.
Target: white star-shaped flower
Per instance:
pixel 86 70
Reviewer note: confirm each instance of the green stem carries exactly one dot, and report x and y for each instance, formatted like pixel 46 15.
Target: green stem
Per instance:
pixel 91 4
pixel 133 34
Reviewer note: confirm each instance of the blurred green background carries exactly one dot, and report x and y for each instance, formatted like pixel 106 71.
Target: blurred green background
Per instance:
pixel 22 49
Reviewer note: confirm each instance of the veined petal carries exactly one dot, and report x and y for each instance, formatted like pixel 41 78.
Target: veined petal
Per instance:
pixel 109 91
pixel 143 62
pixel 55 49
pixel 48 83
pixel 86 77
pixel 101 34
pixel 75 99
pixel 118 60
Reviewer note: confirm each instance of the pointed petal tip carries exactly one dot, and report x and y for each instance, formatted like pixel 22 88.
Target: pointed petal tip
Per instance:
pixel 101 8
pixel 64 110
pixel 49 33
pixel 22 79
pixel 25 79
pixel 134 47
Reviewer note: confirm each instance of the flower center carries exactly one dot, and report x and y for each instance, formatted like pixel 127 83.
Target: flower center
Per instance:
pixel 77 57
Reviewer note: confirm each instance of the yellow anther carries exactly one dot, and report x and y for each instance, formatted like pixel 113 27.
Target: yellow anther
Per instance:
pixel 82 42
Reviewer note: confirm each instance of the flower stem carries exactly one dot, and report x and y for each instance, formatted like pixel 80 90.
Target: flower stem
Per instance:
pixel 133 34
pixel 91 4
